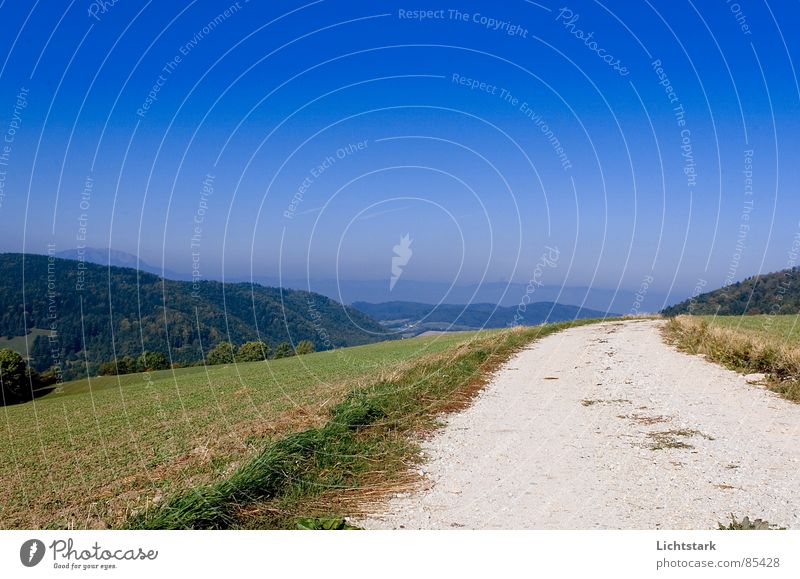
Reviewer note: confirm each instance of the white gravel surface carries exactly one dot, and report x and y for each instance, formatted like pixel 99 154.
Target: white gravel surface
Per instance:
pixel 564 435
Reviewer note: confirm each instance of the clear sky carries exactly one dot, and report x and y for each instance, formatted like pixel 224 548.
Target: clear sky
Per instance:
pixel 653 139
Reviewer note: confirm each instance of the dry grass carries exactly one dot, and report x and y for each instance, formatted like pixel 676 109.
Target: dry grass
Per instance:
pixel 593 401
pixel 645 419
pixel 673 438
pixel 740 349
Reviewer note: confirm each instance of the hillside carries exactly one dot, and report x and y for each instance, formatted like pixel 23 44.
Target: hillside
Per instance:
pixel 115 461
pixel 101 311
pixel 772 293
pixel 413 317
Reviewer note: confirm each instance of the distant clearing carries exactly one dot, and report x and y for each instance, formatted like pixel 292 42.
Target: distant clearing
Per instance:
pixel 17 343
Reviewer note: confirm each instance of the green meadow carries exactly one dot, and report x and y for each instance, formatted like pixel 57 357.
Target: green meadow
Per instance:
pixel 96 451
pixel 781 329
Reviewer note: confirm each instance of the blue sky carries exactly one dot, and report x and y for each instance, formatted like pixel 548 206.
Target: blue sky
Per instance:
pixel 331 129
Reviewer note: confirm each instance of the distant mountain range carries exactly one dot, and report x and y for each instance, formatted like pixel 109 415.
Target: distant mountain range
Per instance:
pixel 378 291
pixel 502 293
pixel 80 313
pixel 411 318
pixel 117 258
pixel 771 293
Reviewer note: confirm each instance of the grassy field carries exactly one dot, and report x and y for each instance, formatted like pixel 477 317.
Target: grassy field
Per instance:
pixel 98 450
pixel 780 329
pixel 764 344
pixel 258 445
pixel 18 343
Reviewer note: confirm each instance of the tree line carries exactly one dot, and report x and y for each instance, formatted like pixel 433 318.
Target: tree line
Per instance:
pixel 21 383
pixel 222 353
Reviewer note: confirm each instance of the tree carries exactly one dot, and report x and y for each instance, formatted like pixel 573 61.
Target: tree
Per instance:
pixel 129 365
pixel 284 350
pixel 154 361
pixel 13 377
pixel 222 353
pixel 252 352
pixel 305 347
pixel 108 369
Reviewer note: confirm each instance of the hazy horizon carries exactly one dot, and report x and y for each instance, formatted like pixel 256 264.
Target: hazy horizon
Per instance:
pixel 644 145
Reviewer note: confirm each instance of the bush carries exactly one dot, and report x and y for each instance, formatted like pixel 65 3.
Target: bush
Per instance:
pixel 108 369
pixel 305 347
pixel 252 352
pixel 284 350
pixel 222 353
pixel 154 361
pixel 128 365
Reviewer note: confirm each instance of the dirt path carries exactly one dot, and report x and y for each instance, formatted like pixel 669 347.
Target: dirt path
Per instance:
pixel 605 426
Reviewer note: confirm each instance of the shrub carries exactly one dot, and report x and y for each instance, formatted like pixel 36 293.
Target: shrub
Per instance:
pixel 252 352
pixel 108 369
pixel 305 347
pixel 222 353
pixel 154 361
pixel 284 350
pixel 128 365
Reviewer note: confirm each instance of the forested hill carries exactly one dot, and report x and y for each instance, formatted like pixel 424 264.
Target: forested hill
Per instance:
pixel 127 311
pixel 772 293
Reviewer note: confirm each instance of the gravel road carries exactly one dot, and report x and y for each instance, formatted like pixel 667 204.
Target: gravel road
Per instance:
pixel 606 427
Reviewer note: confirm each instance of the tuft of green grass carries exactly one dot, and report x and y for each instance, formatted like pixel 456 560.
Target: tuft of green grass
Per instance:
pixel 747 525
pixel 312 524
pixel 368 438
